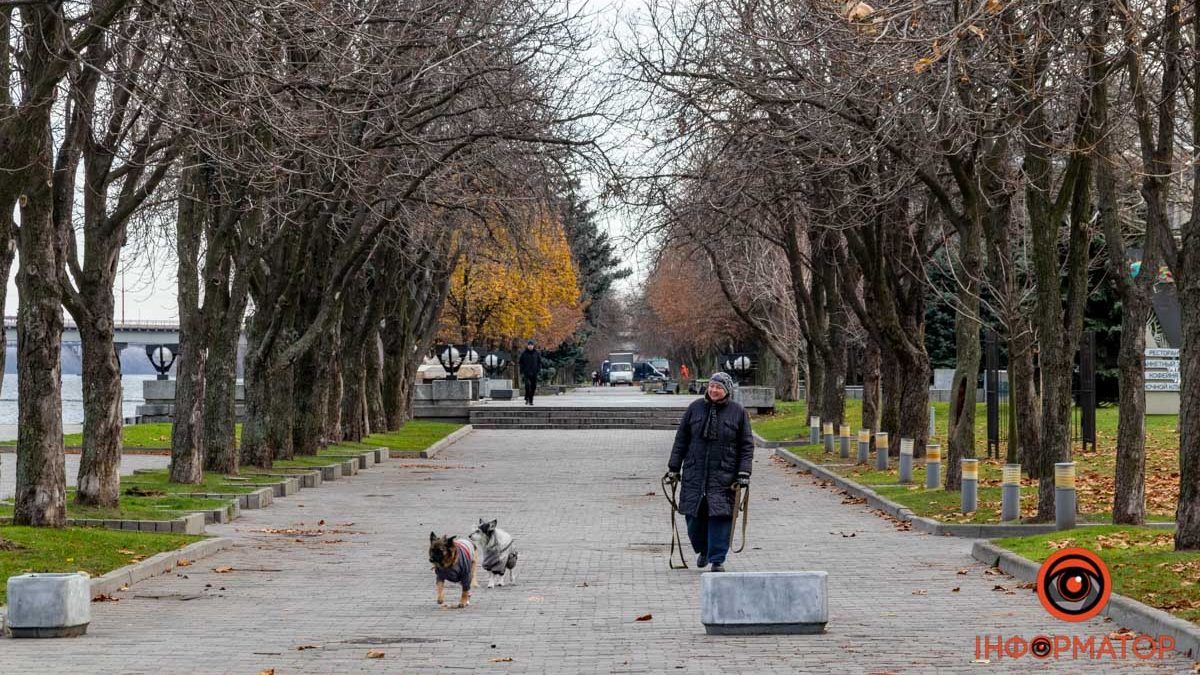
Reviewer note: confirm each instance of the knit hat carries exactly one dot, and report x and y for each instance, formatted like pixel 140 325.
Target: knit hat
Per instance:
pixel 724 381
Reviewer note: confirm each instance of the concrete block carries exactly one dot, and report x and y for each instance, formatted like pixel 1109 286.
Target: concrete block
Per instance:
pixel 454 390
pixel 422 392
pixel 502 394
pixel 755 397
pixel 49 605
pixel 350 467
pixel 757 603
pixel 147 526
pixel 193 523
pixel 381 454
pixel 330 472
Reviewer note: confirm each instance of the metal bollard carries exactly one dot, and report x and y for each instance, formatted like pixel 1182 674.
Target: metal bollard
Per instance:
pixel 1010 493
pixel 906 460
pixel 932 422
pixel 970 485
pixel 933 466
pixel 881 451
pixel 827 431
pixel 1064 495
pixel 864 446
pixel 845 439
pixel 814 430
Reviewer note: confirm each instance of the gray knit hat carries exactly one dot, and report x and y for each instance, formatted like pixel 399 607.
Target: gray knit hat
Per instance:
pixel 724 380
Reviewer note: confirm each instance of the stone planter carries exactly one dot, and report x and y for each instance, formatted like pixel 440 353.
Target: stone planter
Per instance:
pixel 49 605
pixel 764 603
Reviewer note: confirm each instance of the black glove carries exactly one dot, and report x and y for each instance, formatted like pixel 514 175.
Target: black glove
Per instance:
pixel 743 478
pixel 672 476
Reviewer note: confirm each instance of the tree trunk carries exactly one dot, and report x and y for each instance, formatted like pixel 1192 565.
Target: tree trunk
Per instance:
pixel 1187 513
pixel 220 405
pixel 353 395
pixel 281 413
pixel 872 366
pixel 961 427
pixel 40 482
pixel 374 382
pixel 187 436
pixel 1026 404
pixel 7 249
pixel 311 394
pixel 1129 499
pixel 814 381
pixel 99 478
pixel 890 411
pixel 913 405
pixel 256 450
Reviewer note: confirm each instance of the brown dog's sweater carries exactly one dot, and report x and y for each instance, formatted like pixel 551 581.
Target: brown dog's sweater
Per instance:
pixel 460 571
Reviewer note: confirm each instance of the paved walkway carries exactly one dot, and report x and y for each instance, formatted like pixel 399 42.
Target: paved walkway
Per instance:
pixel 593 558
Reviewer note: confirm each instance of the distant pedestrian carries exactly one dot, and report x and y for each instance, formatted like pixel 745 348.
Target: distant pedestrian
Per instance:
pixel 595 378
pixel 531 365
pixel 684 374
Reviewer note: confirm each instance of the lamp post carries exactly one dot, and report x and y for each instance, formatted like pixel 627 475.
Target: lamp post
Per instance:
pixel 452 357
pixel 162 358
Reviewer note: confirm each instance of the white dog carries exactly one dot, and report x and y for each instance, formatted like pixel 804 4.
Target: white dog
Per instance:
pixel 497 552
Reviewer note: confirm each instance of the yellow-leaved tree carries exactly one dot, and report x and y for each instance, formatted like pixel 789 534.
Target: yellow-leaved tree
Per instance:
pixel 513 285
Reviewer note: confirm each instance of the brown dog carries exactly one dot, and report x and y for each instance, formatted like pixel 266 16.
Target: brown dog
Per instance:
pixel 453 560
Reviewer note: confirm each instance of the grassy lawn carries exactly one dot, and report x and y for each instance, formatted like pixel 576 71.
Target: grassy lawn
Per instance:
pixel 1094 479
pixel 166 507
pixel 159 481
pixel 155 435
pixel 415 435
pixel 1141 561
pixel 78 549
pixel 299 462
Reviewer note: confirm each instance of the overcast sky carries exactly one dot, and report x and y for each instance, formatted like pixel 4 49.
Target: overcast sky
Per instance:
pixel 148 282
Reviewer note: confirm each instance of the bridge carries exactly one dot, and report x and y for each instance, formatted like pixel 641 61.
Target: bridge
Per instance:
pixel 127 332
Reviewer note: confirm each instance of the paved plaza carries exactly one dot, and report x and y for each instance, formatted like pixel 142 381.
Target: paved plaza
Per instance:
pixel 298 596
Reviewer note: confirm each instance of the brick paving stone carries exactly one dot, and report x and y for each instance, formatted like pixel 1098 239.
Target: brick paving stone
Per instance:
pixel 593 545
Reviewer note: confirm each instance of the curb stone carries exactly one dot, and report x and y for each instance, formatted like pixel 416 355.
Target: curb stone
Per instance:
pixel 1123 610
pixel 159 563
pixel 437 447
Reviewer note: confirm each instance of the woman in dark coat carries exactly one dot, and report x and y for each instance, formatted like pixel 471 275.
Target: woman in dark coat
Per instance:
pixel 714 448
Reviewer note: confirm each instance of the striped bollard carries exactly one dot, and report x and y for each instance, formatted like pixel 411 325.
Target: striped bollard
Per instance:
pixel 906 457
pixel 881 451
pixel 933 466
pixel 864 446
pixel 1010 493
pixel 1064 495
pixel 970 485
pixel 827 432
pixel 932 422
pixel 845 438
pixel 814 430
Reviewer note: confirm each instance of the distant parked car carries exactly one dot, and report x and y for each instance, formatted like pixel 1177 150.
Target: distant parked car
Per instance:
pixel 620 373
pixel 644 370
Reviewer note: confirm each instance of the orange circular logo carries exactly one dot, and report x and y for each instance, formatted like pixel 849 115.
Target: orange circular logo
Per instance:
pixel 1073 584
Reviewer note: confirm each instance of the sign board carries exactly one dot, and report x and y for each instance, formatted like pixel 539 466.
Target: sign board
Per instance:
pixel 1162 386
pixel 1162 352
pixel 1169 375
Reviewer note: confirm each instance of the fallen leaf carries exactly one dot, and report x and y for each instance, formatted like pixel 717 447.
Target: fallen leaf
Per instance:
pixel 998 587
pixel 125 551
pixel 1122 634
pixel 982 661
pixel 920 592
pixel 267 671
pixel 321 522
pixel 304 647
pixel 645 617
pixel 502 659
pixel 105 597
pixel 222 570
pixel 375 653
pixel 956 589
pixel 963 570
pixel 183 562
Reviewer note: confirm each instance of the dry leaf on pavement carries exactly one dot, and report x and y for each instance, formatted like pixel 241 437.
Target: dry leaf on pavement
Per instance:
pixel 502 659
pixel 376 654
pixel 645 617
pixel 222 570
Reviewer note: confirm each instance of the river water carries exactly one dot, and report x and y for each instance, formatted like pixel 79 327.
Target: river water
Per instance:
pixel 72 393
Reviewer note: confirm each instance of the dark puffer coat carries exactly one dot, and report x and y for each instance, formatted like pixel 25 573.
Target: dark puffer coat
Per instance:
pixel 710 466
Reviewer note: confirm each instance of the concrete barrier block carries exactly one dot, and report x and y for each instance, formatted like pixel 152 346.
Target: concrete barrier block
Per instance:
pixel 193 523
pixel 48 605
pixel 331 472
pixel 350 467
pixel 758 603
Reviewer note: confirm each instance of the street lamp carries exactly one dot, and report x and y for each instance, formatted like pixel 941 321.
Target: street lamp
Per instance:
pixel 452 357
pixel 162 358
pixel 494 363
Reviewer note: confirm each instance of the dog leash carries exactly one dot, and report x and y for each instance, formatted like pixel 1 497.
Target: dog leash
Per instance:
pixel 669 493
pixel 741 502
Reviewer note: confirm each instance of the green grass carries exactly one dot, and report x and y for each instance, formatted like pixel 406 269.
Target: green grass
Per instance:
pixel 1141 561
pixel 299 462
pixel 79 549
pixel 415 435
pixel 166 507
pixel 216 483
pixel 156 435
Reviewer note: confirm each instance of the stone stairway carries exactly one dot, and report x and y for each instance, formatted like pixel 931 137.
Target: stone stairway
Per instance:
pixel 567 417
